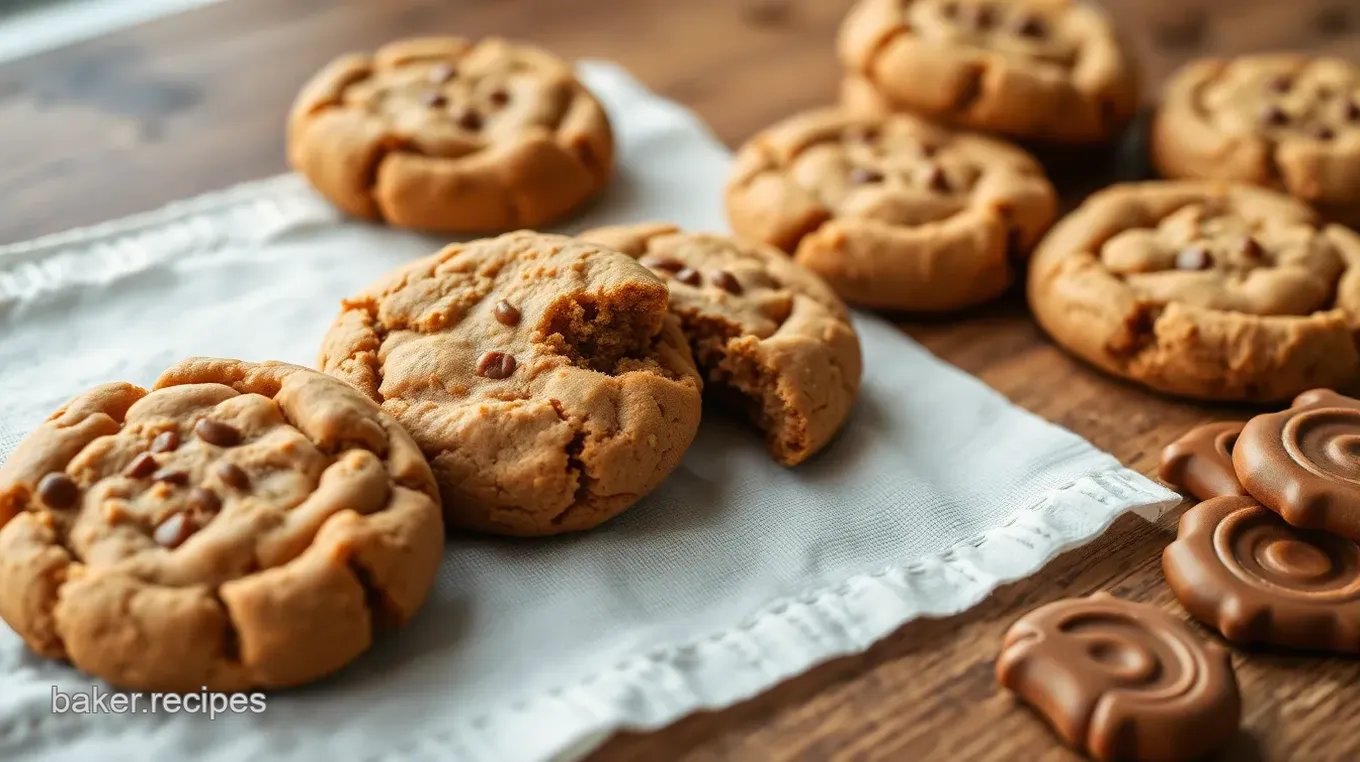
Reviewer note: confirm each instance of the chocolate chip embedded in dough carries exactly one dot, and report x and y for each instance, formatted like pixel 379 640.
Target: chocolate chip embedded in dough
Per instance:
pixel 171 476
pixel 141 466
pixel 172 532
pixel 217 433
pixel 166 441
pixel 57 490
pixel 496 365
pixel 232 475
pixel 1273 116
pixel 507 313
pixel 1031 26
pixel 203 500
pixel 470 120
pixel 726 281
pixel 658 262
pixel 690 277
pixel 865 176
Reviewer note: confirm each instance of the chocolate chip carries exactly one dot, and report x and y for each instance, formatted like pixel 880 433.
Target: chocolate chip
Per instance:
pixel 506 314
pixel 936 180
pixel 726 281
pixel 141 466
pixel 689 276
pixel 1352 111
pixel 861 134
pixel 56 490
pixel 442 73
pixel 1194 258
pixel 1281 83
pixel 166 441
pixel 470 120
pixel 983 17
pixel 950 10
pixel 232 475
pixel 170 476
pixel 203 500
pixel 1250 249
pixel 433 99
pixel 865 176
pixel 927 150
pixel 172 532
pixel 496 365
pixel 1031 26
pixel 217 433
pixel 658 262
pixel 499 97
pixel 1322 132
pixel 1273 116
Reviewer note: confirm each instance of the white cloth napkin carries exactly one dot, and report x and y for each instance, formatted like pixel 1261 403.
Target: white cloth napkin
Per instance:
pixel 735 574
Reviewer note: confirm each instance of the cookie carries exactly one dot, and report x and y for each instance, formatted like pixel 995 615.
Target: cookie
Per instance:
pixel 1203 290
pixel 764 331
pixel 1200 462
pixel 1290 122
pixel 542 376
pixel 1121 680
pixel 241 526
pixel 448 135
pixel 1240 569
pixel 1043 70
pixel 893 212
pixel 1304 462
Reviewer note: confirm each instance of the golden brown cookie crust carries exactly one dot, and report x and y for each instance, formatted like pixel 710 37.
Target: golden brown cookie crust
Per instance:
pixel 542 376
pixel 1288 122
pixel 243 525
pixel 893 212
pixel 1204 290
pixel 760 326
pixel 1049 70
pixel 449 135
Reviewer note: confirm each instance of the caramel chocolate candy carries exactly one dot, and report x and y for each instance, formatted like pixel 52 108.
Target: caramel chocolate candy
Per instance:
pixel 1304 462
pixel 1122 680
pixel 1200 462
pixel 1240 569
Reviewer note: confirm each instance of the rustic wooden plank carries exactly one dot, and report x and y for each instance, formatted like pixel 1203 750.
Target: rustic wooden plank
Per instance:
pixel 174 108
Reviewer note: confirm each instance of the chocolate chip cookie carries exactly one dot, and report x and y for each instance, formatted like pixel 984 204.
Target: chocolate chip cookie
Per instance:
pixel 1046 70
pixel 242 525
pixel 542 376
pixel 449 135
pixel 1289 122
pixel 893 212
pixel 1212 291
pixel 764 331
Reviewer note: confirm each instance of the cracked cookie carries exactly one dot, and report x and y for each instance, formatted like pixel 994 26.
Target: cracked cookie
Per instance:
pixel 893 212
pixel 242 525
pixel 1204 290
pixel 542 376
pixel 1046 70
pixel 764 331
pixel 450 135
pixel 1289 122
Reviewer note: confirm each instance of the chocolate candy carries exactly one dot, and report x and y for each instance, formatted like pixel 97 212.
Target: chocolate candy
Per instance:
pixel 166 441
pixel 1240 569
pixel 232 475
pixel 1122 680
pixel 217 433
pixel 141 466
pixel 1200 462
pixel 690 277
pixel 726 281
pixel 1304 462
pixel 57 490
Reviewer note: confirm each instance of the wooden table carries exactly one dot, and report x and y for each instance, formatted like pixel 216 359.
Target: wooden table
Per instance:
pixel 195 102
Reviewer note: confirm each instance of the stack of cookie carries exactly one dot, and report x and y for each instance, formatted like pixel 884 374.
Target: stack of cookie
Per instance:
pixel 247 525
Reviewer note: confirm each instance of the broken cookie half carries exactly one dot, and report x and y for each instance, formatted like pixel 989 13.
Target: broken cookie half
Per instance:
pixel 764 331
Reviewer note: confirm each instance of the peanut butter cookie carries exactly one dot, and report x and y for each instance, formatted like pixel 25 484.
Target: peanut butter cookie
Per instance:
pixel 1289 122
pixel 448 135
pixel 762 328
pixel 893 212
pixel 1047 70
pixel 243 525
pixel 542 376
pixel 1212 291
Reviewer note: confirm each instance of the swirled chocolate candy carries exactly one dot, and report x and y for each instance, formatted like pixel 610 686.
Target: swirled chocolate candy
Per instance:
pixel 1240 569
pixel 1200 462
pixel 1304 462
pixel 1122 680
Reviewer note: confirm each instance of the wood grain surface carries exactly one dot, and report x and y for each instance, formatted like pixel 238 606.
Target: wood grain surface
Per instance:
pixel 194 102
